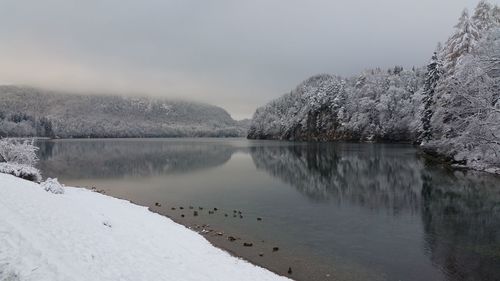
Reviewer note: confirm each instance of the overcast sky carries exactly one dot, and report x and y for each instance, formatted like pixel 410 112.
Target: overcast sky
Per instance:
pixel 235 54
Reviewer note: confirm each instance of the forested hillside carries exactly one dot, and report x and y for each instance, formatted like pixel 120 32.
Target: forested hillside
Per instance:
pixel 451 106
pixel 377 105
pixel 33 112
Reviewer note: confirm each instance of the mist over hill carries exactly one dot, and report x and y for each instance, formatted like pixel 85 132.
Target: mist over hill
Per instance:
pixel 28 112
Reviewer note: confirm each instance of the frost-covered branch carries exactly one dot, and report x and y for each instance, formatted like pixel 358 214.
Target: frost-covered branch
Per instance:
pixel 18 157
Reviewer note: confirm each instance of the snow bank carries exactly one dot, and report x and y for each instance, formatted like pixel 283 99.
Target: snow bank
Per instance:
pixel 21 171
pixel 83 235
pixel 53 185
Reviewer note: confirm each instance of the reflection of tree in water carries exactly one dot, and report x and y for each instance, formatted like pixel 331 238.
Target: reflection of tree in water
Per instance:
pixel 460 210
pixel 119 158
pixel 461 216
pixel 368 175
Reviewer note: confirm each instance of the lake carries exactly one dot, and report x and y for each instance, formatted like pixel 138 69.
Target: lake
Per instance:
pixel 336 211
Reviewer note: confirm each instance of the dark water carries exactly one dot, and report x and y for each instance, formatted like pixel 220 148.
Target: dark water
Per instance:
pixel 376 209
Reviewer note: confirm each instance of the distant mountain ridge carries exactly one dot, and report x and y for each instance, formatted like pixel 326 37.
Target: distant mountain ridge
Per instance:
pixel 26 112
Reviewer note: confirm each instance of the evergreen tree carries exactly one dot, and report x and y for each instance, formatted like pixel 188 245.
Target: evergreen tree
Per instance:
pixel 495 13
pixel 44 128
pixel 397 69
pixel 483 16
pixel 432 77
pixel 462 42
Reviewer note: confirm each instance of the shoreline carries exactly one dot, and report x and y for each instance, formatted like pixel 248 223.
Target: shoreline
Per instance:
pixel 260 253
pixel 278 262
pixel 83 235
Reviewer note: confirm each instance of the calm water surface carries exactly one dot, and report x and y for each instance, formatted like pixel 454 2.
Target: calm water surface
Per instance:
pixel 371 208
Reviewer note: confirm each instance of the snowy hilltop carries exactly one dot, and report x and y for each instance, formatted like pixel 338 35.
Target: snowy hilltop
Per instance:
pixel 27 112
pixel 78 234
pixel 451 107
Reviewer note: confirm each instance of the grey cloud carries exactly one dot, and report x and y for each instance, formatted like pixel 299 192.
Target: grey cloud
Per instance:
pixel 236 54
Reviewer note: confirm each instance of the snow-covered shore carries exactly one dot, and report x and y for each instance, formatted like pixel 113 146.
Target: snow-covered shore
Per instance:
pixel 84 235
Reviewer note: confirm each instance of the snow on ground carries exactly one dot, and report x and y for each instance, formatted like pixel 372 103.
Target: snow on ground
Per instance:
pixel 83 235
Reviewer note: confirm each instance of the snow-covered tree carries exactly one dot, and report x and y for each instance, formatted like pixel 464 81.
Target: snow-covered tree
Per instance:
pixel 18 151
pixel 374 106
pixel 18 157
pixel 495 12
pixel 468 111
pixel 483 16
pixel 461 43
pixel 434 73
